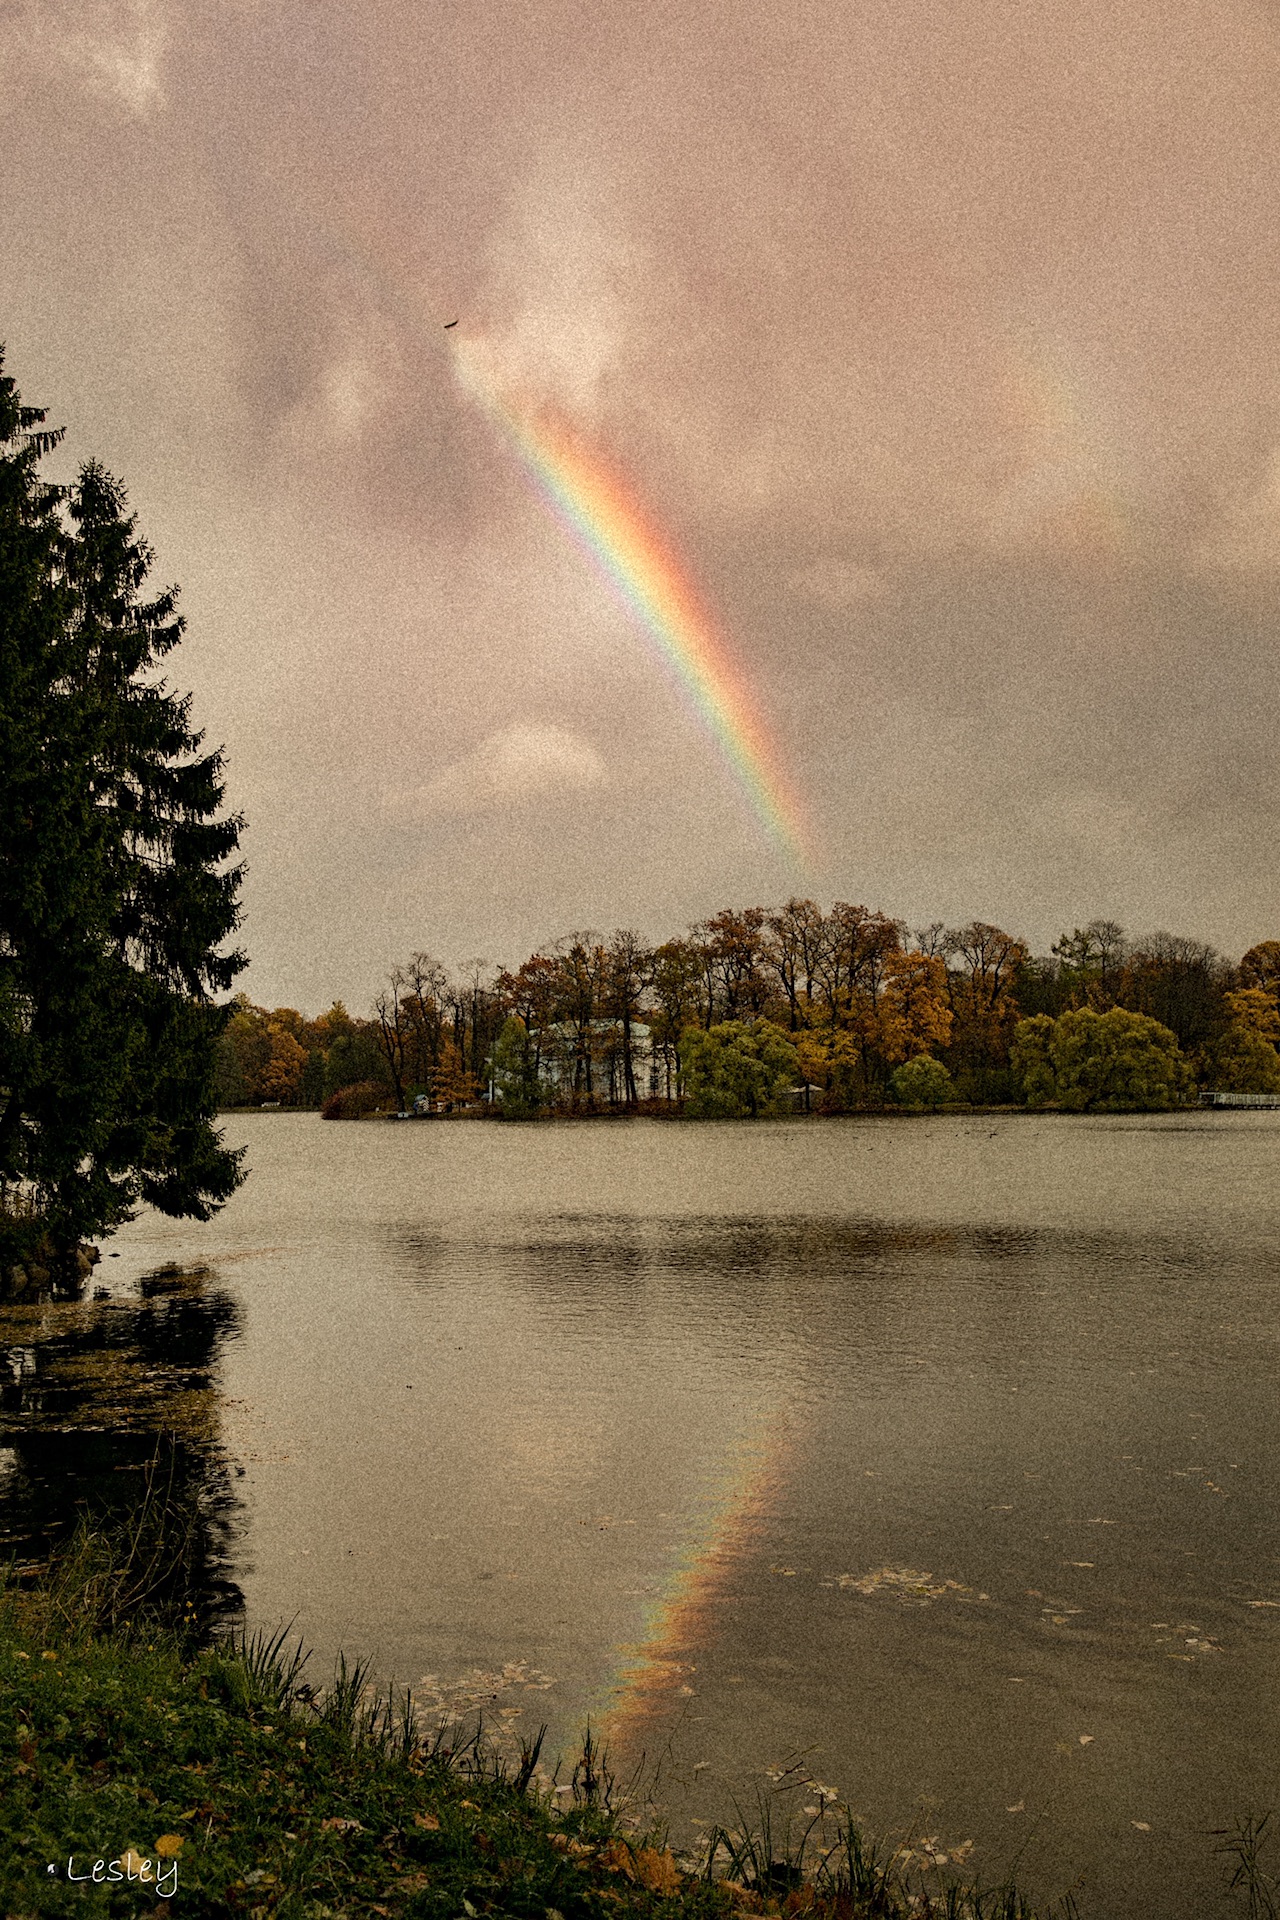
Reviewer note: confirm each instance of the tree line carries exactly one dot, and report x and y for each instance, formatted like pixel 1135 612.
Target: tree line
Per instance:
pixel 757 1010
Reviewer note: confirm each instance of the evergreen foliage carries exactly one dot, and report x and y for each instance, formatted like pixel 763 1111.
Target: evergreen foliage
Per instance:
pixel 115 891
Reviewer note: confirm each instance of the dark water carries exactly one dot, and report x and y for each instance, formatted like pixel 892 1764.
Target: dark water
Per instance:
pixel 942 1454
pixel 109 1414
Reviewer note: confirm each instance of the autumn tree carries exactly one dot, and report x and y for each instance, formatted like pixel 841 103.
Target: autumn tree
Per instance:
pixel 581 969
pixel 452 1082
pixel 531 994
pixel 628 970
pixel 1180 982
pixel 1243 1058
pixel 393 1031
pixel 475 1015
pixel 423 983
pixel 851 962
pixel 678 1000
pixel 983 968
pixel 735 959
pixel 1260 968
pixel 914 1011
pixel 798 935
pixel 1090 964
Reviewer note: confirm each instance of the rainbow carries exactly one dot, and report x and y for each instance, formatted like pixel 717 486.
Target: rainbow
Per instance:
pixel 650 1673
pixel 607 520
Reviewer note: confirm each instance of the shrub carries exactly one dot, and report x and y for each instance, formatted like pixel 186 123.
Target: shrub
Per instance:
pixel 352 1103
pixel 922 1082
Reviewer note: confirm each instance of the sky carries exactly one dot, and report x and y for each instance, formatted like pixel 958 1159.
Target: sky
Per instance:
pixel 937 348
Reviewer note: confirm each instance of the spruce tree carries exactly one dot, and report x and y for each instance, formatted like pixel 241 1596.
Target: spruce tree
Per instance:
pixel 117 895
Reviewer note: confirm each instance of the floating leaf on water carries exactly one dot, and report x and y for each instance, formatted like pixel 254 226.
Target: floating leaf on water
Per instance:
pixel 909 1583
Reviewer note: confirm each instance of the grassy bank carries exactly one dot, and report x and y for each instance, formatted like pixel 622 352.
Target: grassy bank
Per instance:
pixel 215 1782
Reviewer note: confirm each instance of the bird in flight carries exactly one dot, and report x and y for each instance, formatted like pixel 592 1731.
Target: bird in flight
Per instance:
pixel 448 324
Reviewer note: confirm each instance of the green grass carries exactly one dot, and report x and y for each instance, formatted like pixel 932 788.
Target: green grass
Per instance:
pixel 121 1734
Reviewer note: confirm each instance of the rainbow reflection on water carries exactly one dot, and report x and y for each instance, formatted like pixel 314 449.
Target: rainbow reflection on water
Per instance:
pixel 651 1675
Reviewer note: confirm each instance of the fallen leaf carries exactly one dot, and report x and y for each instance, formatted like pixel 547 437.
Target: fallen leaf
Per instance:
pixel 1019 1806
pixel 427 1821
pixel 656 1871
pixel 169 1845
pixel 135 1866
pixel 336 1824
pixel 617 1858
pixel 1086 1739
pixel 1143 1826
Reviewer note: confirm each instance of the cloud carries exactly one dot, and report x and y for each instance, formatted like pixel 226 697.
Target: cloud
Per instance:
pixel 564 277
pixel 516 764
pixel 115 46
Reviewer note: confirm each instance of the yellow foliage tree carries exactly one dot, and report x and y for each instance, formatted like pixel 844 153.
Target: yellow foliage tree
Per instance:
pixel 450 1082
pixel 1254 1010
pixel 285 1064
pixel 914 1012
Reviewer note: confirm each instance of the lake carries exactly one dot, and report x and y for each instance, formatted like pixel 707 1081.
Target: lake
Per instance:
pixel 929 1463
